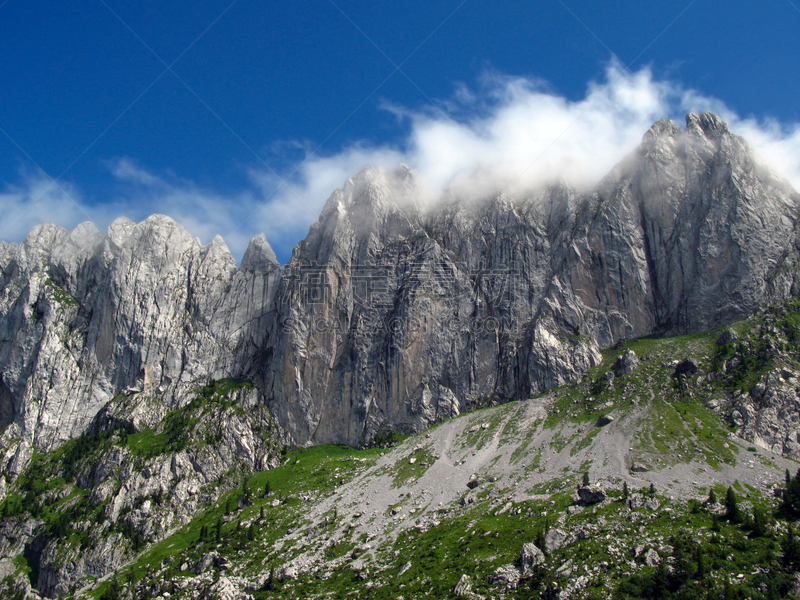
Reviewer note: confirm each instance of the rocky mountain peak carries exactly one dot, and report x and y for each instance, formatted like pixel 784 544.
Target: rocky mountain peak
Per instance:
pixel 85 235
pixel 707 124
pixel 42 240
pixel 119 230
pixel 259 255
pixel 661 128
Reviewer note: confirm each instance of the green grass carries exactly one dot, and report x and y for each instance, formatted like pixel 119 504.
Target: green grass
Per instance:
pixel 315 471
pixel 492 418
pixel 180 428
pixel 24 567
pixel 60 295
pixel 585 441
pixel 405 471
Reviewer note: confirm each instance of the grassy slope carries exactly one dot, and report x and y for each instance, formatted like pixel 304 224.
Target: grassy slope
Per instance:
pixel 669 426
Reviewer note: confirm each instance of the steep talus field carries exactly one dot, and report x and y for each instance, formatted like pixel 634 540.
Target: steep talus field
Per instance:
pixel 408 406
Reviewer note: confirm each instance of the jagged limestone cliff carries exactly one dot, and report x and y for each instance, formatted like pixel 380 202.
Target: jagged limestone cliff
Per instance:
pixel 392 314
pixel 472 302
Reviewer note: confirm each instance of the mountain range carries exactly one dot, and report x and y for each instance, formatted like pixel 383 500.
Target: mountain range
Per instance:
pixel 394 314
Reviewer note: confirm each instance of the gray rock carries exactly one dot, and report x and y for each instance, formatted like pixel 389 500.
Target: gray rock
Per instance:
pixel 506 576
pixel 726 337
pixel 686 368
pixel 556 539
pixel 204 562
pixel 763 414
pixel 639 501
pixel 530 556
pixel 604 420
pixel 463 587
pixel 626 364
pixel 652 558
pixel 638 468
pixel 591 494
pixel 225 589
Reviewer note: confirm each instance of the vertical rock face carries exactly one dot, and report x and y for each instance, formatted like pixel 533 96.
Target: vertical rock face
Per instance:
pixel 392 314
pixel 506 298
pixel 144 308
pixel 686 234
pixel 398 318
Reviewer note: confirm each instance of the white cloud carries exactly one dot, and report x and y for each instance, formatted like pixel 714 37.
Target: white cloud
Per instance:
pixel 507 133
pixel 36 199
pixel 514 133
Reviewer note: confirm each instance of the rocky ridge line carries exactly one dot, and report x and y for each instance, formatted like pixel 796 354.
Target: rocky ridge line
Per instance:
pixel 390 316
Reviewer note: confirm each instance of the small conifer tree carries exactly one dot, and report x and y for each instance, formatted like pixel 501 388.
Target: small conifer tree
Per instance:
pixel 791 495
pixel 791 549
pixel 759 522
pixel 700 559
pixel 732 512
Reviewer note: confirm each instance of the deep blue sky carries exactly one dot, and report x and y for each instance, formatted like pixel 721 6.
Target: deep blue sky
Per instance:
pixel 280 75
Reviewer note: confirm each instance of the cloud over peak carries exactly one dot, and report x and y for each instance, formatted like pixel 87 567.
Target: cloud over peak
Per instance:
pixel 506 133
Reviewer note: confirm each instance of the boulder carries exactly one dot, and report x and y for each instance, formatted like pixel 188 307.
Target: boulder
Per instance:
pixel 403 568
pixel 506 576
pixel 637 501
pixel 652 558
pixel 686 368
pixel 591 494
pixel 204 562
pixel 605 420
pixel 626 364
pixel 555 539
pixel 530 556
pixel 463 587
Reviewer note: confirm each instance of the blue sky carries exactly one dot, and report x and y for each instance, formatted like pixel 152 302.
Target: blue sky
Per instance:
pixel 201 110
